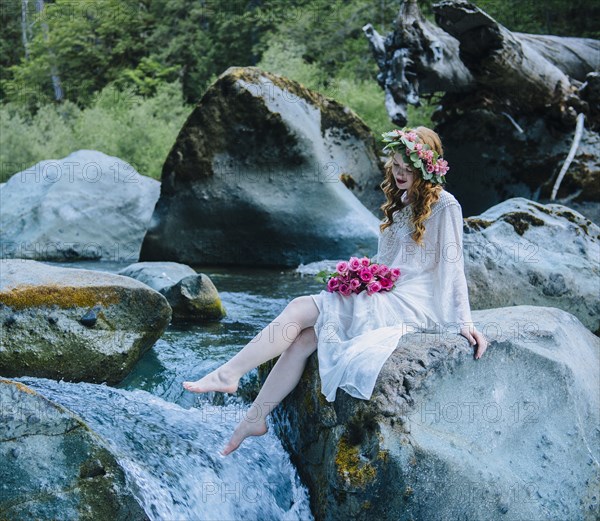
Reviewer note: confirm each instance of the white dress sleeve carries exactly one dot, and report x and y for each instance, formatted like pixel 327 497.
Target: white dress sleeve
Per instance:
pixel 450 281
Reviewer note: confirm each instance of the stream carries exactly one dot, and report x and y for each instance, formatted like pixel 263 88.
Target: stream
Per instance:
pixel 167 439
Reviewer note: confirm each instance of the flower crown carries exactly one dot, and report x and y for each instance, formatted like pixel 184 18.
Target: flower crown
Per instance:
pixel 423 158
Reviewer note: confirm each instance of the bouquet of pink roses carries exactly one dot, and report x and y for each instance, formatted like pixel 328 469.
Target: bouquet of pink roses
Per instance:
pixel 358 275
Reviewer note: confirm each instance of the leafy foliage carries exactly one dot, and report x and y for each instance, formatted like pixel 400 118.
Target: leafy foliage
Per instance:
pixel 140 130
pixel 102 53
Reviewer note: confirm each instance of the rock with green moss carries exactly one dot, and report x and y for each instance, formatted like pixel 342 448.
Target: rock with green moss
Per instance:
pixel 512 435
pixel 266 172
pixel 52 466
pixel 521 252
pixel 192 296
pixel 75 324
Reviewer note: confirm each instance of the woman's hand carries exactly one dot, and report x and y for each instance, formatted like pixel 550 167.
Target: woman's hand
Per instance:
pixel 475 337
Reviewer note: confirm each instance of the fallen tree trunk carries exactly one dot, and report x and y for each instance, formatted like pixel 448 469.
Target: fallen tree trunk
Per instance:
pixel 576 57
pixel 508 66
pixel 469 51
pixel 417 57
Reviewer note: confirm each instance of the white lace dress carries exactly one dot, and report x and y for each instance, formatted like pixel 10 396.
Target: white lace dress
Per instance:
pixel 357 334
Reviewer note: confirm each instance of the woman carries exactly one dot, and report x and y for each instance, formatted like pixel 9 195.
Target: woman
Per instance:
pixel 355 335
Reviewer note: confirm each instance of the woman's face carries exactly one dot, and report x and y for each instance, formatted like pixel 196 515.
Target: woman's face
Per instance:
pixel 403 174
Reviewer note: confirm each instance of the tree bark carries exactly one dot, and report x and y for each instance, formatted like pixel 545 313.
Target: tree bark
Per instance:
pixel 25 27
pixel 56 83
pixel 576 57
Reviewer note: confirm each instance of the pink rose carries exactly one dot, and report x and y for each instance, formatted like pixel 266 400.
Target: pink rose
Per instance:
pixel 344 289
pixel 383 270
pixel 332 284
pixel 386 283
pixel 365 261
pixel 394 274
pixel 342 267
pixel 373 287
pixel 366 275
pixel 374 268
pixel 354 283
pixel 354 264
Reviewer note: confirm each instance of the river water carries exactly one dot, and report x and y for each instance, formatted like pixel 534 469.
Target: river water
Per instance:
pixel 167 439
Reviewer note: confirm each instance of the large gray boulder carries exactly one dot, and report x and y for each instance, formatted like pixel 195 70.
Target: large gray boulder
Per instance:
pixel 513 435
pixel 53 467
pixel 88 205
pixel 265 172
pixel 523 252
pixel 75 324
pixel 192 296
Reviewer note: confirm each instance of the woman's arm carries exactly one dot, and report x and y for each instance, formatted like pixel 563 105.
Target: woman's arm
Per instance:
pixel 451 278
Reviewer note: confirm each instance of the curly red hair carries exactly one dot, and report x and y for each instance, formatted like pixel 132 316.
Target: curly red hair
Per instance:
pixel 423 193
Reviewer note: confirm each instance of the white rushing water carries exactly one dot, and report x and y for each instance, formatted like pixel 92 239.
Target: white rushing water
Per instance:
pixel 170 455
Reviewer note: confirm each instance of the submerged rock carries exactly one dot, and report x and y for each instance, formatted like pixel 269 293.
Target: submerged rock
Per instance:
pixel 88 205
pixel 75 324
pixel 267 173
pixel 52 466
pixel 513 435
pixel 192 296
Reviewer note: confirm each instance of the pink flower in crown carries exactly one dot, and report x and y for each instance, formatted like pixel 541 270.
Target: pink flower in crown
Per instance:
pixel 342 267
pixel 443 166
pixel 419 147
pixel 385 283
pixel 333 284
pixel 373 287
pixel 366 275
pixel 345 289
pixel 429 167
pixel 354 264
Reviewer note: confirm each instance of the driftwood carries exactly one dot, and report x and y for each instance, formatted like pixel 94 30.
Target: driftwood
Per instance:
pixel 576 57
pixel 508 66
pixel 469 51
pixel 417 57
pixel 574 146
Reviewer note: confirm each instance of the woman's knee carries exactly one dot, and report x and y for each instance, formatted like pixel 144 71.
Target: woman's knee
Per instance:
pixel 303 311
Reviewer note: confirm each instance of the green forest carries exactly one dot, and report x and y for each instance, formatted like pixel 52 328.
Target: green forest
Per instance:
pixel 121 76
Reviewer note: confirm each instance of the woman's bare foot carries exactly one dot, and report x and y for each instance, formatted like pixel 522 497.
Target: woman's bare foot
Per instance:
pixel 244 429
pixel 216 380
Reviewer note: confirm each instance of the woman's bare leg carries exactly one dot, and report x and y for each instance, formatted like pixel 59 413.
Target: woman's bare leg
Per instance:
pixel 275 338
pixel 282 379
